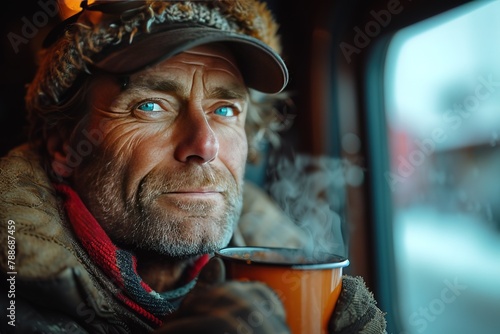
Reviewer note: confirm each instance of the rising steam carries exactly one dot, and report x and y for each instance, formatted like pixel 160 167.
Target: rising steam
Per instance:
pixel 311 191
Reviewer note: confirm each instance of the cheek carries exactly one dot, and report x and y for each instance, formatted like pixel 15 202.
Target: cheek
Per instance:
pixel 125 136
pixel 135 146
pixel 233 151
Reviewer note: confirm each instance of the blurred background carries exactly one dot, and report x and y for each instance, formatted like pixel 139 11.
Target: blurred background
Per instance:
pixel 443 118
pixel 396 138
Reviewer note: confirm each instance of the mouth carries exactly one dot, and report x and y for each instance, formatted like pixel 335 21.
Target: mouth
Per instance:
pixel 192 202
pixel 201 190
pixel 193 193
pixel 201 193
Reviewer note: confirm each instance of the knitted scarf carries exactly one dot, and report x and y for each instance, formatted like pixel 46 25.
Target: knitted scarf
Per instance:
pixel 120 265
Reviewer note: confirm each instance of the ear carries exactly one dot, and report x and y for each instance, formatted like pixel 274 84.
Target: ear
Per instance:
pixel 58 148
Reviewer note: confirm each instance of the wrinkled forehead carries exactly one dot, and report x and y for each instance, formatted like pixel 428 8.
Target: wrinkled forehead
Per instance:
pixel 214 63
pixel 214 57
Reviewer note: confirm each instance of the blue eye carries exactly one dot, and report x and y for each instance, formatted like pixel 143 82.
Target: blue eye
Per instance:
pixel 149 106
pixel 225 111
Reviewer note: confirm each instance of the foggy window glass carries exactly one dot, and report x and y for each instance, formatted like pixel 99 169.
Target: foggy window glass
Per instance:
pixel 443 114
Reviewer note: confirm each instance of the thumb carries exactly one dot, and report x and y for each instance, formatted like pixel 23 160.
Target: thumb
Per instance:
pixel 214 272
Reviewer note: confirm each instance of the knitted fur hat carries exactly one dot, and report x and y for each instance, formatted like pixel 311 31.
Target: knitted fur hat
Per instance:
pixel 107 26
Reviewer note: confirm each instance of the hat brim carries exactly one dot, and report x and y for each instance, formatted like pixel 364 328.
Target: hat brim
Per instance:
pixel 261 67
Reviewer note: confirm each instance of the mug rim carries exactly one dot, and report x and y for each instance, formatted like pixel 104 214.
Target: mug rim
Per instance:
pixel 333 260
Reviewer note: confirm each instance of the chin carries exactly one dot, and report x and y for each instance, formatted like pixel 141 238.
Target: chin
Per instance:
pixel 195 238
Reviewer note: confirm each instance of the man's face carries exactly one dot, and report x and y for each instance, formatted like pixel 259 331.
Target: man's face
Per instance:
pixel 167 175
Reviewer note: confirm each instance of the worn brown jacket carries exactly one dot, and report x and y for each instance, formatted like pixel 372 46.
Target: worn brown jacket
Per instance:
pixel 58 289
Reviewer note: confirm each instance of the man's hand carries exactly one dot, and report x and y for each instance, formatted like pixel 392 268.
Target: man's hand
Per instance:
pixel 356 310
pixel 219 306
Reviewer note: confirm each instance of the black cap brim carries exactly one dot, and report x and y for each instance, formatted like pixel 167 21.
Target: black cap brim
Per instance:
pixel 262 68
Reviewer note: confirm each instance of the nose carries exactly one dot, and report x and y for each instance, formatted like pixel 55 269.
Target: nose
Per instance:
pixel 197 140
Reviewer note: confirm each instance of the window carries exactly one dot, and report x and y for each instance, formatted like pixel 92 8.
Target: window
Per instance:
pixel 442 112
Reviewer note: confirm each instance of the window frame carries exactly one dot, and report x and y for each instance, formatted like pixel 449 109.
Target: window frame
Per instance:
pixel 370 242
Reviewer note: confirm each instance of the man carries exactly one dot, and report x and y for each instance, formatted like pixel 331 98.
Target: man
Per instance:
pixel 139 115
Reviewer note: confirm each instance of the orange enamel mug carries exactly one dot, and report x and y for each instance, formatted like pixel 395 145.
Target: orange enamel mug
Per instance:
pixel 308 285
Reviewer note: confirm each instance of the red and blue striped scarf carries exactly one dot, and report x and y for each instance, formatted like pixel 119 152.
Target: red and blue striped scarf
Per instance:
pixel 118 264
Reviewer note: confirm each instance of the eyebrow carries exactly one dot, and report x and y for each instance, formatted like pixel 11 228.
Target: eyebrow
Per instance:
pixel 233 92
pixel 153 84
